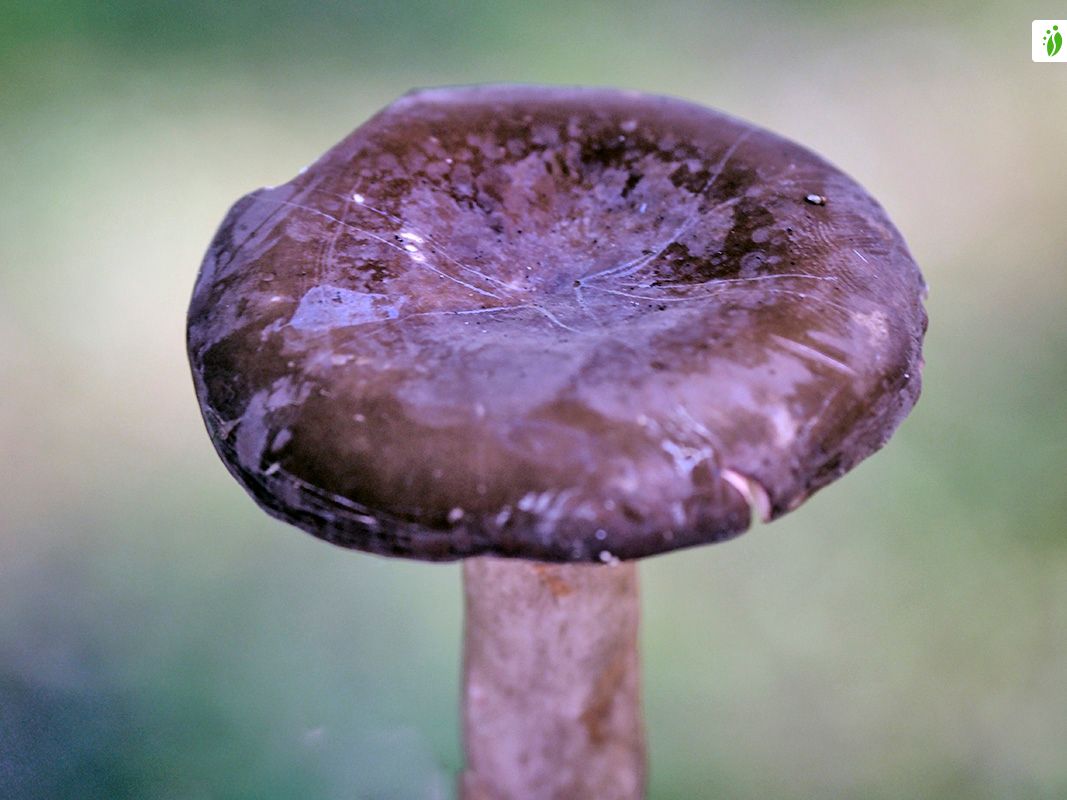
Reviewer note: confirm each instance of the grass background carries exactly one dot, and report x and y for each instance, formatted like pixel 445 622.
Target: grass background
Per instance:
pixel 904 634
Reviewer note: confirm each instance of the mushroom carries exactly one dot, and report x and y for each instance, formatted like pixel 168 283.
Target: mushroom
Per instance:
pixel 552 331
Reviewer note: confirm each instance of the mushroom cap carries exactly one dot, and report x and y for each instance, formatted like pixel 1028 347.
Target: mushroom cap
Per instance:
pixel 564 324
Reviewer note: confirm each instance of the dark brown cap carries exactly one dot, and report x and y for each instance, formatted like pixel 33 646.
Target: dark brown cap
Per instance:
pixel 553 323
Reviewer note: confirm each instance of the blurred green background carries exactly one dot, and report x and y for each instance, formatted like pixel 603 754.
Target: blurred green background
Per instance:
pixel 904 634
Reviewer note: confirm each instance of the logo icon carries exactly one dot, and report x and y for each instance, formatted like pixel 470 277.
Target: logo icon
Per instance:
pixel 1053 41
pixel 1047 40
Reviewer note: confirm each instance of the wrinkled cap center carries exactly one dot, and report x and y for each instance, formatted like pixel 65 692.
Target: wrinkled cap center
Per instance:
pixel 582 221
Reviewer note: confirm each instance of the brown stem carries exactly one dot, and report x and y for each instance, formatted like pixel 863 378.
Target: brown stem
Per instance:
pixel 551 694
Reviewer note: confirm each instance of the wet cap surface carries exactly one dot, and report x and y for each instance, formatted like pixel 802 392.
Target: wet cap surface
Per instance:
pixel 553 323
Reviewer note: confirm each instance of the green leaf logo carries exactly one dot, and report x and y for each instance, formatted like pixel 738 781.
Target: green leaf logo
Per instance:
pixel 1053 41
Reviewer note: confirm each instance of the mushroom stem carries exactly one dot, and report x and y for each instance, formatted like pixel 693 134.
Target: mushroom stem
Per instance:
pixel 551 693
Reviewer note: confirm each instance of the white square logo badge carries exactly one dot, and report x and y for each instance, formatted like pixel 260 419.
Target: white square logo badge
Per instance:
pixel 1046 40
